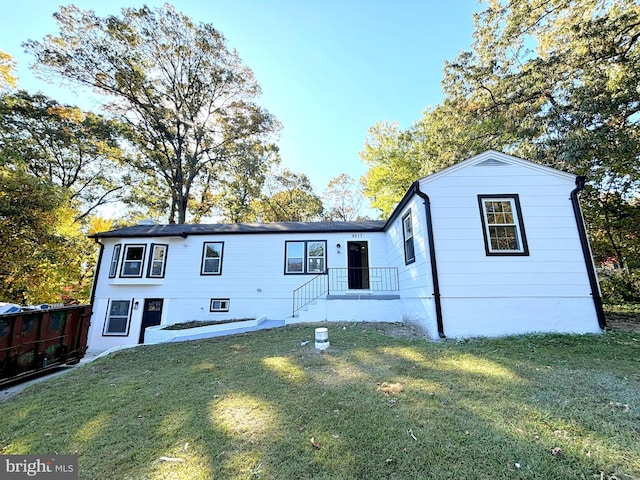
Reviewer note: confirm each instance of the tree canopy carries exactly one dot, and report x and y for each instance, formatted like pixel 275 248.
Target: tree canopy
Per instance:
pixel 43 256
pixel 7 67
pixel 551 81
pixel 187 100
pixel 558 81
pixel 78 151
pixel 288 197
pixel 342 199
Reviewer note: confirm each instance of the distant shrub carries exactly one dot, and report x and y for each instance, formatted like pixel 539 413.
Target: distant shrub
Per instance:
pixel 619 285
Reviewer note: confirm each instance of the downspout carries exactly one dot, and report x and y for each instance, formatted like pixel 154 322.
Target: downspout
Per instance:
pixel 432 254
pixel 586 251
pixel 97 273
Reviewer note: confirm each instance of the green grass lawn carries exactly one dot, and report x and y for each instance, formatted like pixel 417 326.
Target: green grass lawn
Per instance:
pixel 261 405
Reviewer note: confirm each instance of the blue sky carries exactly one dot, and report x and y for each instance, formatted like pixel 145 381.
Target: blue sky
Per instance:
pixel 328 69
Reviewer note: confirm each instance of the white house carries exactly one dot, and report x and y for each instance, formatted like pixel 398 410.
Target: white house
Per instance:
pixel 494 245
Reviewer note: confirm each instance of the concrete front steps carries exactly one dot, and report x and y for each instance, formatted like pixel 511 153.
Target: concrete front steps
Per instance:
pixel 358 307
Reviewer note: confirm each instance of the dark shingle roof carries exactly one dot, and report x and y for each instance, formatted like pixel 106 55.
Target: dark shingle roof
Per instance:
pixel 184 230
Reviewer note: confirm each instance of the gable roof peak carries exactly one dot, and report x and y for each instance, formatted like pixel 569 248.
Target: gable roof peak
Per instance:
pixel 494 158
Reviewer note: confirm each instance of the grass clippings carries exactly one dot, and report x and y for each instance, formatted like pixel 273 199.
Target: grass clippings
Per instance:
pixel 260 405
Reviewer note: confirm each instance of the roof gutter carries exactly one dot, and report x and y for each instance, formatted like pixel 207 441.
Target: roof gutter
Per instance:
pixel 586 251
pixel 432 253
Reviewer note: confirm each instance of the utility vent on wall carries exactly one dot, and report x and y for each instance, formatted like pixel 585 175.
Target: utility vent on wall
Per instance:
pixel 491 162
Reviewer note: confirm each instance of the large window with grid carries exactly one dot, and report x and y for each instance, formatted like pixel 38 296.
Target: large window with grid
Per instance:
pixel 502 224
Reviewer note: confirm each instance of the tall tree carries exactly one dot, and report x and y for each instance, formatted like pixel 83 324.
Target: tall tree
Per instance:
pixel 555 81
pixel 392 167
pixel 75 150
pixel 445 134
pixel 561 78
pixel 186 98
pixel 35 265
pixel 288 197
pixel 231 199
pixel 343 199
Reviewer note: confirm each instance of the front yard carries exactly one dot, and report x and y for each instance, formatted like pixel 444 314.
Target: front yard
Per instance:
pixel 375 405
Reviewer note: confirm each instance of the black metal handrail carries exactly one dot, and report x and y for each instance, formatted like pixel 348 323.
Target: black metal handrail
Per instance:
pixel 370 279
pixel 310 291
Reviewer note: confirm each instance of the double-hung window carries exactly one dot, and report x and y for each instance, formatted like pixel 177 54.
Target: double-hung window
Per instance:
pixel 157 260
pixel 316 257
pixel 117 322
pixel 305 257
pixel 212 258
pixel 502 224
pixel 132 261
pixel 113 266
pixel 407 232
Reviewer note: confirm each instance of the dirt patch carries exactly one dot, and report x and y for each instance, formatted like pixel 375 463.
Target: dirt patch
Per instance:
pixel 624 322
pixel 400 330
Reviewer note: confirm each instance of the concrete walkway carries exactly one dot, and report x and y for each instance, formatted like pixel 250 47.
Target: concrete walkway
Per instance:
pixel 11 390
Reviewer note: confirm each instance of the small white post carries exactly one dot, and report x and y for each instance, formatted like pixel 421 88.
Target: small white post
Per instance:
pixel 322 338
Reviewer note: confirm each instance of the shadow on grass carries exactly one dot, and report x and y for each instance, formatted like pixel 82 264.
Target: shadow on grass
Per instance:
pixel 250 406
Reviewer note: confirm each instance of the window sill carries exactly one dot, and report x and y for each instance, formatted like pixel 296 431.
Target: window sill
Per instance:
pixel 136 281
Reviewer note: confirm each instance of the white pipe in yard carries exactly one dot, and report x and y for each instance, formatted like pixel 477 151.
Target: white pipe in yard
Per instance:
pixel 322 338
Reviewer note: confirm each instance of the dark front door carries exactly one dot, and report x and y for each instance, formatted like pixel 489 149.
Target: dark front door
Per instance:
pixel 358 258
pixel 151 315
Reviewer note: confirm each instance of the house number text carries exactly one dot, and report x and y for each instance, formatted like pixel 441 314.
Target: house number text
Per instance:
pixel 356 235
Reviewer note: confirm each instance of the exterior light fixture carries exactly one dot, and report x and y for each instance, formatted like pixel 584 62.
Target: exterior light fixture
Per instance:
pixel 338 247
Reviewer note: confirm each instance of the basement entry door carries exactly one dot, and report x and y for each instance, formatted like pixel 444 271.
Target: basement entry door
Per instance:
pixel 151 315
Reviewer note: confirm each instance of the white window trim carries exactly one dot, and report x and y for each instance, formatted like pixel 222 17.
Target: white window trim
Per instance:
pixel 408 236
pixel 125 261
pixel 107 320
pixel 287 257
pixel 514 200
pixel 115 258
pixel 153 261
pixel 204 251
pixel 310 257
pixel 223 305
pixel 305 257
